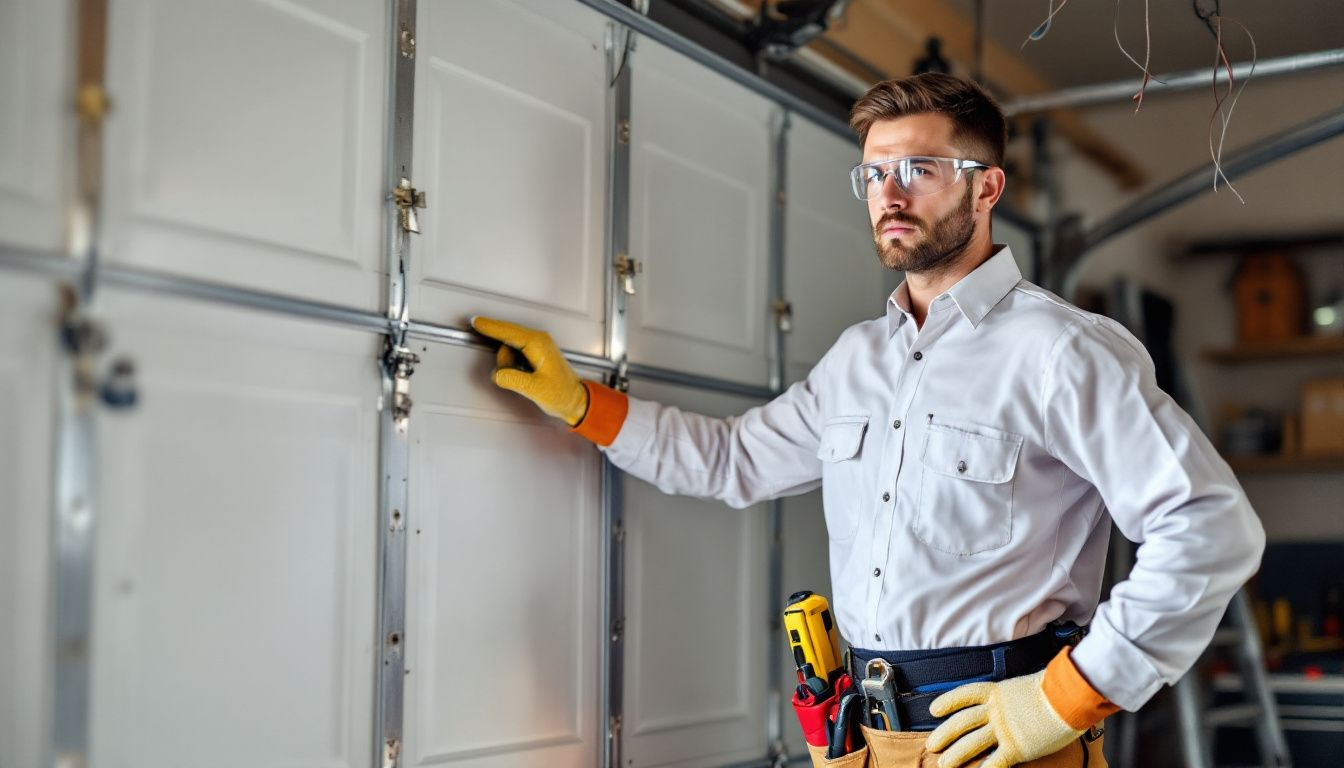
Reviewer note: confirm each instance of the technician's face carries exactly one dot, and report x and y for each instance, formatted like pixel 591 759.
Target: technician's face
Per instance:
pixel 919 233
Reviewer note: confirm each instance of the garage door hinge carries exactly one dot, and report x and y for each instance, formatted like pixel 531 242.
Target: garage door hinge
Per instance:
pixel 408 198
pixel 783 315
pixel 618 630
pixel 391 753
pixel 626 269
pixel 400 362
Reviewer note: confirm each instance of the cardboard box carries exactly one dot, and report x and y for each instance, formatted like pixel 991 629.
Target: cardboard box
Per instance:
pixel 1323 418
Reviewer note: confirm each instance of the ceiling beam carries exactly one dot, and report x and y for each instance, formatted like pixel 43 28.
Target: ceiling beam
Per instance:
pixel 890 36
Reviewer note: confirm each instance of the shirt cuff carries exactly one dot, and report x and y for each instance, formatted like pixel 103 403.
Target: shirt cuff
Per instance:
pixel 606 413
pixel 1115 666
pixel 1072 697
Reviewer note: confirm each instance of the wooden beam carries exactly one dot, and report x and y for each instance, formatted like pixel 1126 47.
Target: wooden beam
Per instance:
pixel 891 36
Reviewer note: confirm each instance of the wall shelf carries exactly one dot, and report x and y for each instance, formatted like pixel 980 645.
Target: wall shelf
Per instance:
pixel 1303 347
pixel 1285 464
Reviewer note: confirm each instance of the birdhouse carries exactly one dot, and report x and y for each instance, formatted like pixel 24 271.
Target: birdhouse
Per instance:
pixel 1271 298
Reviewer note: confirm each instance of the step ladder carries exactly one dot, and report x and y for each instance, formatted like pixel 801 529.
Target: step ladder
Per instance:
pixel 1199 721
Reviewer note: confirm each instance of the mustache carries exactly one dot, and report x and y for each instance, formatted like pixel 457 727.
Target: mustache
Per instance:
pixel 898 217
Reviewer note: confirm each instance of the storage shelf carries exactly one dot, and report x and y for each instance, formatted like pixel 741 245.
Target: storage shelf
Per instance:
pixel 1305 346
pixel 1285 464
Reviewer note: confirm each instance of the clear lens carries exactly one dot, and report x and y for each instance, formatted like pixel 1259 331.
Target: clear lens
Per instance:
pixel 915 175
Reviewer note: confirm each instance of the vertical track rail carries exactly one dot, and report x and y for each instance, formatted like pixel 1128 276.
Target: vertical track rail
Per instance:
pixel 620 51
pixel 396 367
pixel 74 514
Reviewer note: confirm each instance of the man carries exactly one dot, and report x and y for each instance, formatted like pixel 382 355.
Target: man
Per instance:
pixel 970 445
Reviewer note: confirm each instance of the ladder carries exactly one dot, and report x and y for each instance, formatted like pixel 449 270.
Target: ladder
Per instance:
pixel 1199 722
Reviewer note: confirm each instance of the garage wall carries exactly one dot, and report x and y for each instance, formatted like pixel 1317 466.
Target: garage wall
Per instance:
pixel 1291 196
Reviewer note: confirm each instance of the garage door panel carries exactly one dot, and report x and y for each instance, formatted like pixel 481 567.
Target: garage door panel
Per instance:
pixel 236 561
pixel 511 141
pixel 680 200
pixel 699 182
pixel 504 580
pixel 831 273
pixel 211 176
pixel 27 352
pixel 35 121
pixel 695 626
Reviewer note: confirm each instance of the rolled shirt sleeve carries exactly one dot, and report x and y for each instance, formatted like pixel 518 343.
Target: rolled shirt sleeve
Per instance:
pixel 1168 490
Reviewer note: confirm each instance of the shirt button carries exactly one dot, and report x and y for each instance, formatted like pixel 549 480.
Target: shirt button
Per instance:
pixel 896 424
pixel 877 571
pixel 886 496
pixel 961 466
pixel 919 355
pixel 878 638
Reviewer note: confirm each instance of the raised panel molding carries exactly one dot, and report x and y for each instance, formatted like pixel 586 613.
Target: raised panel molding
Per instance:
pixel 281 169
pixel 520 554
pixel 35 122
pixel 515 225
pixel 831 272
pixel 503 577
pixel 251 540
pixel 511 144
pixel 695 674
pixel 643 716
pixel 235 577
pixel 700 177
pixel 680 198
pixel 246 143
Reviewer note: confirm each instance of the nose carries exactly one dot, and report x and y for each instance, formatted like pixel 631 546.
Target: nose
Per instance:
pixel 892 196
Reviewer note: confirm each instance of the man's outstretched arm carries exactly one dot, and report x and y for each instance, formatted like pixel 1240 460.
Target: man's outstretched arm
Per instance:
pixel 768 451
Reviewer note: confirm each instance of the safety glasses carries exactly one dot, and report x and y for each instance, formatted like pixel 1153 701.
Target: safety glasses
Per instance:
pixel 914 175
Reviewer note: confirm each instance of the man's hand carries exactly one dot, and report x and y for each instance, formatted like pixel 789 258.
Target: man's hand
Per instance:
pixel 1013 717
pixel 551 384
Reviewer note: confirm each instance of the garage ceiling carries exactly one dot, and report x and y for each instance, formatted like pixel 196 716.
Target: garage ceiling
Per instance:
pixel 1080 47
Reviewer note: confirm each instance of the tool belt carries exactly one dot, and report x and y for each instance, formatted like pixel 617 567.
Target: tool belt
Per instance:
pixel 922 676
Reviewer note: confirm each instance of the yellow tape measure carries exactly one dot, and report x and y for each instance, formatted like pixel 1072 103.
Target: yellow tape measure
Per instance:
pixel 812 636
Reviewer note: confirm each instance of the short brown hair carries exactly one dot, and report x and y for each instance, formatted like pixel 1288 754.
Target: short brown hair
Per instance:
pixel 978 123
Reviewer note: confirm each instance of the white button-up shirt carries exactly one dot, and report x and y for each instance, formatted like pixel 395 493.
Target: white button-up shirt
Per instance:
pixel 968 472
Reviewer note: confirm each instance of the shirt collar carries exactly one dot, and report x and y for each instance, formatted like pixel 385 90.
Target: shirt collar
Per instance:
pixel 975 294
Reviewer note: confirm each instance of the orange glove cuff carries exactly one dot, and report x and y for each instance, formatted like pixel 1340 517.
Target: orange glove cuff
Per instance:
pixel 606 413
pixel 1072 697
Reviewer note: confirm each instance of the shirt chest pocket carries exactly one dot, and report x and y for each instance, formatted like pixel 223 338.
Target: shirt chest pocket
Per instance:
pixel 840 450
pixel 966 491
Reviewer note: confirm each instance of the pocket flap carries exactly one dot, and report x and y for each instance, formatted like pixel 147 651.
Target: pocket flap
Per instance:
pixel 982 458
pixel 841 438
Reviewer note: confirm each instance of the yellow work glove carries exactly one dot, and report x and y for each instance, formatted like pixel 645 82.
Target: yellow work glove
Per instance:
pixel 551 383
pixel 1013 717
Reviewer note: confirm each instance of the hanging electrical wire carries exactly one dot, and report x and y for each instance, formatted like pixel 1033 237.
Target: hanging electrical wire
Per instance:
pixel 1219 101
pixel 1044 26
pixel 1210 13
pixel 1147 52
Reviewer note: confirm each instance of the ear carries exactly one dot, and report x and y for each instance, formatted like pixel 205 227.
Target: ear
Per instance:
pixel 990 184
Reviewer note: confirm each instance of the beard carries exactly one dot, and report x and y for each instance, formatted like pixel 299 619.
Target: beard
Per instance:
pixel 941 247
